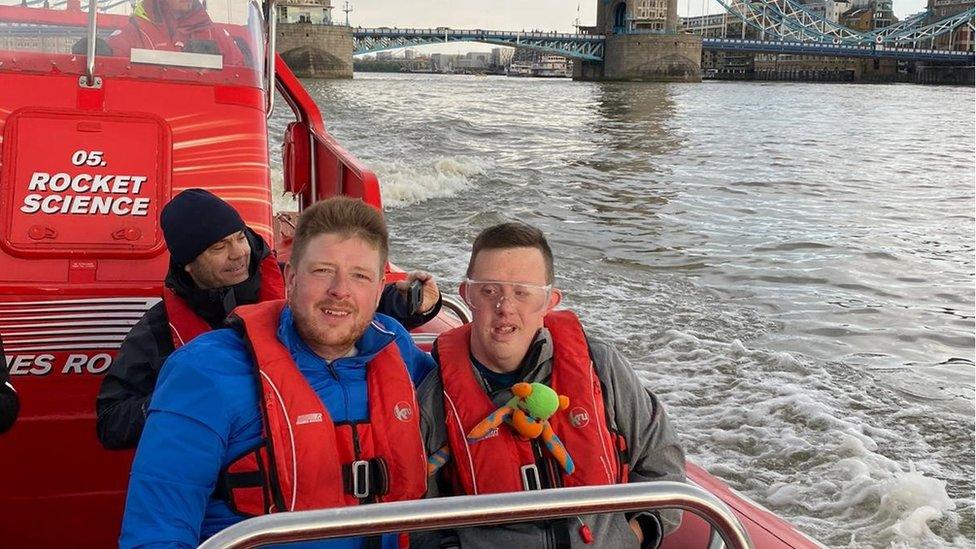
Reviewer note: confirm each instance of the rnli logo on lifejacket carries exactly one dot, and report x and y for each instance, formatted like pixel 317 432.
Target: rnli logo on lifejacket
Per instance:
pixel 403 411
pixel 308 418
pixel 579 417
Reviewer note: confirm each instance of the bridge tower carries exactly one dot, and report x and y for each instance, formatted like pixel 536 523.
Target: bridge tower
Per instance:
pixel 642 44
pixel 310 41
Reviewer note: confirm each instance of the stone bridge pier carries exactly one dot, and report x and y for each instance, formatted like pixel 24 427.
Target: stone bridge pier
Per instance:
pixel 315 50
pixel 642 44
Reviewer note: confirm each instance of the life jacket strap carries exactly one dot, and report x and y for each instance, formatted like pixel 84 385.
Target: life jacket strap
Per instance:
pixel 623 457
pixel 243 483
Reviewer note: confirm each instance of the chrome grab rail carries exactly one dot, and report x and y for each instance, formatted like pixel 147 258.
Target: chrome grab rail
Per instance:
pixel 457 306
pixel 462 511
pixel 90 50
pixel 269 58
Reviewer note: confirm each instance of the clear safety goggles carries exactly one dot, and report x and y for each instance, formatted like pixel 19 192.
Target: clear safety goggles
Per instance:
pixel 486 294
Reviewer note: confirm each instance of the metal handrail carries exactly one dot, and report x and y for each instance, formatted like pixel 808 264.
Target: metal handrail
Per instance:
pixel 458 307
pixel 464 511
pixel 92 37
pixel 269 59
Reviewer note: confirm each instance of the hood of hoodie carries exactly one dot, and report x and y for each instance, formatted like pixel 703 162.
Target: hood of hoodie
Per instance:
pixel 215 304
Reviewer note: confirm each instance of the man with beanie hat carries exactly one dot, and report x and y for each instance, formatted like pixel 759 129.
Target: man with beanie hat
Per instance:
pixel 216 264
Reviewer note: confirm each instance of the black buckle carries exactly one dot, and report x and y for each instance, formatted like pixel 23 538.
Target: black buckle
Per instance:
pixel 530 477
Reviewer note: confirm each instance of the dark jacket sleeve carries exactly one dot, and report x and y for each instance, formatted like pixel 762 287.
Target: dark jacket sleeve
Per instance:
pixel 9 403
pixel 123 398
pixel 393 304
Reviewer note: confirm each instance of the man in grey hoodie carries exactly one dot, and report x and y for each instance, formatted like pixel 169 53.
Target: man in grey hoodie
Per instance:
pixel 614 429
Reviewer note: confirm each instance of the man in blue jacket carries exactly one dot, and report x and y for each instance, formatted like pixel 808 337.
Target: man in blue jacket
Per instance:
pixel 336 423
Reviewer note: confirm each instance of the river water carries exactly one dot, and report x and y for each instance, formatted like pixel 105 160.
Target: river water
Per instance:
pixel 789 266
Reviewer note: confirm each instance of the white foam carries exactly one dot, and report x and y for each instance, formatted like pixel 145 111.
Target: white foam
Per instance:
pixel 281 201
pixel 782 430
pixel 410 182
pixel 404 183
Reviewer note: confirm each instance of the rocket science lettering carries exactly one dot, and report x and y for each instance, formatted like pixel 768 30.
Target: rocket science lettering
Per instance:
pixel 83 193
pixel 44 364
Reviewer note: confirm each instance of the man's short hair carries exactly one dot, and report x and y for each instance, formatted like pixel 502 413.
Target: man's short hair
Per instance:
pixel 513 235
pixel 345 217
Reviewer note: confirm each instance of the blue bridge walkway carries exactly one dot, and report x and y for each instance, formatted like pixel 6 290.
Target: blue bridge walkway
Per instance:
pixel 837 50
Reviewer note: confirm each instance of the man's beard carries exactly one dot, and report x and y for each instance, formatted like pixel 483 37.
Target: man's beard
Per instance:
pixel 319 336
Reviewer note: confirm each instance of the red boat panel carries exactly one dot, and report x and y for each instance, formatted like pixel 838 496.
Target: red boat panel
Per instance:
pixel 87 174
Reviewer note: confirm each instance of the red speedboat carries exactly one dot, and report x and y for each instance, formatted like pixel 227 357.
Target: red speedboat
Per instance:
pixel 95 140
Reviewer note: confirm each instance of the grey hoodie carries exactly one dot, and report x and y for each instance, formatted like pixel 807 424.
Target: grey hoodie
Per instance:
pixel 632 410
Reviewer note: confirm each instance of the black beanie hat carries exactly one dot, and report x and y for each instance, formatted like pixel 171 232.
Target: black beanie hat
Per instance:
pixel 194 220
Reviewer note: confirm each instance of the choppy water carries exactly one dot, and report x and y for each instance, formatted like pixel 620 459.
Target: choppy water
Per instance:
pixel 789 266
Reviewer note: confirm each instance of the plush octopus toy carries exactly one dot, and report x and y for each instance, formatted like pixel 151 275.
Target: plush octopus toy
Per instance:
pixel 528 413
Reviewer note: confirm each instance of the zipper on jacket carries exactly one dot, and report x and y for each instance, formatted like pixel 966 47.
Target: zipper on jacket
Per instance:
pixel 357 452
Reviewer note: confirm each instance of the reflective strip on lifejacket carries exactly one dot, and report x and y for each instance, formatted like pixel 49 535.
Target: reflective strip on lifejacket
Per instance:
pixel 291 438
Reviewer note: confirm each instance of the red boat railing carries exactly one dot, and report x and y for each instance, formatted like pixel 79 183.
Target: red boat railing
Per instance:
pixel 462 511
pixel 331 170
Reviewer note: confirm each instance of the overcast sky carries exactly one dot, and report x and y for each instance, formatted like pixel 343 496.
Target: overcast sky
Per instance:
pixel 508 14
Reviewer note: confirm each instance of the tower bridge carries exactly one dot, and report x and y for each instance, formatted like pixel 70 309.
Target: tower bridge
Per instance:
pixel 588 47
pixel 640 39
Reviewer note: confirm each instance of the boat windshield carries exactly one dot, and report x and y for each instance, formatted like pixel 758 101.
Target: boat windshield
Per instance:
pixel 217 42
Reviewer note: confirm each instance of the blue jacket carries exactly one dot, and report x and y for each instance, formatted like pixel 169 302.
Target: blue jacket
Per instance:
pixel 204 414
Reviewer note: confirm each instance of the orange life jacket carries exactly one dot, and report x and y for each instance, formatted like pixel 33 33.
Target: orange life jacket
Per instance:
pixel 185 324
pixel 308 462
pixel 504 462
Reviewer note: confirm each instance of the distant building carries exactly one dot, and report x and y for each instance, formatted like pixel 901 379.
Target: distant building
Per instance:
pixel 384 56
pixel 315 12
pixel 830 10
pixel 473 61
pixel 650 15
pixel 712 26
pixel 722 64
pixel 443 62
pixel 961 39
pixel 868 16
pixel 410 54
pixel 501 57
